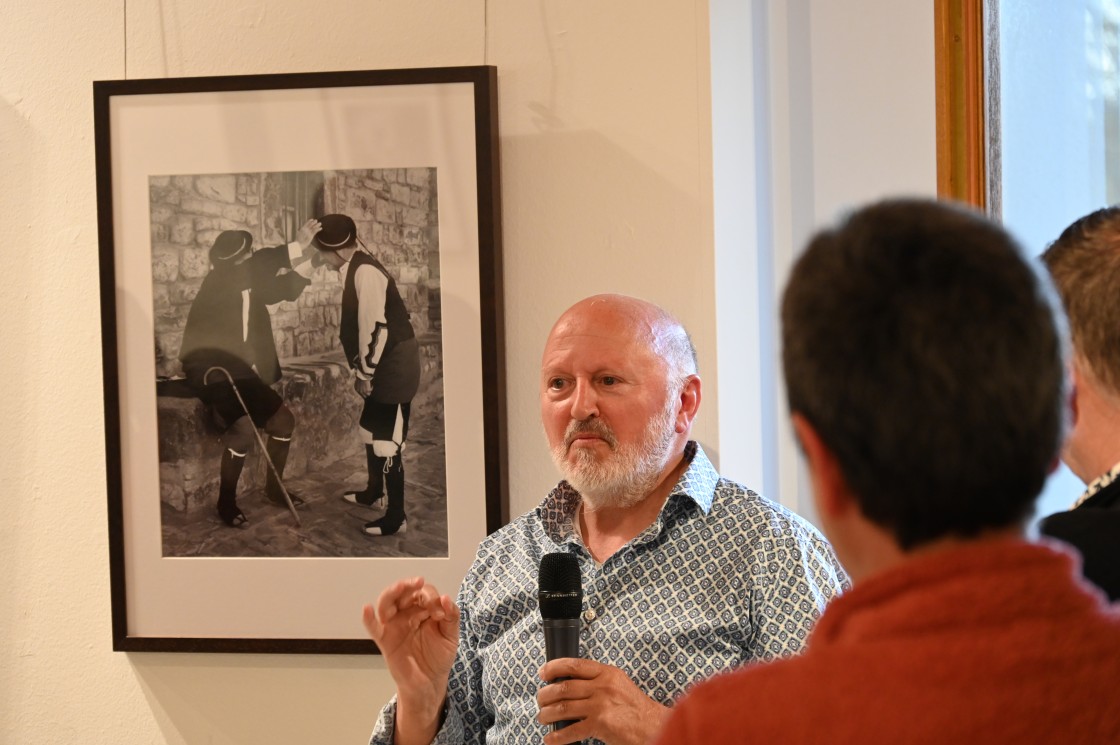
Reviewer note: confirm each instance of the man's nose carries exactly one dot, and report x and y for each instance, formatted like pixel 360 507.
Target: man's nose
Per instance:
pixel 584 401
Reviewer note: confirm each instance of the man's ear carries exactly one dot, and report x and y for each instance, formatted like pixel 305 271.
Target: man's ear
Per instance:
pixel 690 404
pixel 1075 386
pixel 830 488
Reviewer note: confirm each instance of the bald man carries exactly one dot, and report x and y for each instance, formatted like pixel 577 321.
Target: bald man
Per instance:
pixel 685 574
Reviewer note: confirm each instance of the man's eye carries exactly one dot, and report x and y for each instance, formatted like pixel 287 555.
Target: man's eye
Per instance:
pixel 609 380
pixel 556 384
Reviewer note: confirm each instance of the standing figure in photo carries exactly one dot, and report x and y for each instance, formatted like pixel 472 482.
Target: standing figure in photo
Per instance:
pixel 229 355
pixel 1085 265
pixel 384 355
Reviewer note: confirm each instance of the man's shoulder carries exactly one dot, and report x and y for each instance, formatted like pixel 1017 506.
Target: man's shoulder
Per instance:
pixel 765 528
pixel 747 504
pixel 366 269
pixel 519 534
pixel 271 254
pixel 506 563
pixel 1082 521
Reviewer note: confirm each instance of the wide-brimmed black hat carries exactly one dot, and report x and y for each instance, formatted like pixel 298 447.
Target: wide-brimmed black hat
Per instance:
pixel 229 245
pixel 338 232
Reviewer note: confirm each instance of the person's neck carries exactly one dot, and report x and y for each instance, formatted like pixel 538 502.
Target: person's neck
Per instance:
pixel 607 529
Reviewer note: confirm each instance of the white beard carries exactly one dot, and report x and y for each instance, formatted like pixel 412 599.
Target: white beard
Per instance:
pixel 627 474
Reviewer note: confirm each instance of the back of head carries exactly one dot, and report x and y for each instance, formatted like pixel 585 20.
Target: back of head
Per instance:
pixel 928 354
pixel 1085 265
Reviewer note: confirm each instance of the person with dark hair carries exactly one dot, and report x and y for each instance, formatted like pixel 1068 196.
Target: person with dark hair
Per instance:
pixel 1085 264
pixel 684 574
pixel 925 357
pixel 229 355
pixel 384 356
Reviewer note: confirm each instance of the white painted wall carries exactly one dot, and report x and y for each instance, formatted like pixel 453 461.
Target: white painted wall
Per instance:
pixel 836 104
pixel 607 185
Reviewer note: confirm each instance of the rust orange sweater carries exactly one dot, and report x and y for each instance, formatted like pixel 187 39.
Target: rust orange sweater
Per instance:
pixel 996 642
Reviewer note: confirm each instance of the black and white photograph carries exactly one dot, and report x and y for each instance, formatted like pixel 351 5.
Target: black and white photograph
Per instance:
pixel 301 281
pixel 264 337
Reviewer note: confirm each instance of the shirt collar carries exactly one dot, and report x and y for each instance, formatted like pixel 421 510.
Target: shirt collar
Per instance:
pixel 697 484
pixel 1097 484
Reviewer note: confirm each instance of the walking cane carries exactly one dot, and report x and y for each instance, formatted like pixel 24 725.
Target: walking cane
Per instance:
pixel 260 440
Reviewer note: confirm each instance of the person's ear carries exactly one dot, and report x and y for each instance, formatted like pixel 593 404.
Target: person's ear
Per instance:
pixel 689 404
pixel 830 488
pixel 1075 386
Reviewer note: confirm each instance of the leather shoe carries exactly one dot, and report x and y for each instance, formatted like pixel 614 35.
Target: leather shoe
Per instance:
pixel 382 527
pixel 363 498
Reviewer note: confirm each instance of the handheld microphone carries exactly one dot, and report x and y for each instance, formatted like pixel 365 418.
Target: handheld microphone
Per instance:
pixel 560 597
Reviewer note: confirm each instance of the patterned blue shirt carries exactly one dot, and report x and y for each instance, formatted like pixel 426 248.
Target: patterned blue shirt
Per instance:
pixel 722 577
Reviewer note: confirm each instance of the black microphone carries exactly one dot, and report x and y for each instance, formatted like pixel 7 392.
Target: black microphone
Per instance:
pixel 560 597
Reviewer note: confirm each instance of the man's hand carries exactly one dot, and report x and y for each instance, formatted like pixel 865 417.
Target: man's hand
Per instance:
pixel 604 701
pixel 363 387
pixel 303 237
pixel 307 231
pixel 417 631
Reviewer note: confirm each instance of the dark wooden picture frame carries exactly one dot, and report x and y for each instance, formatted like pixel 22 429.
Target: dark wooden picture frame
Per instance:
pixel 377 144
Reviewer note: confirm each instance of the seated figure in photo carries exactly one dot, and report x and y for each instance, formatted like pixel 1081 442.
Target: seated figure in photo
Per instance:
pixel 229 355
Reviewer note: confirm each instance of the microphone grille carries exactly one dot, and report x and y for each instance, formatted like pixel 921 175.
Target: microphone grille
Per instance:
pixel 561 587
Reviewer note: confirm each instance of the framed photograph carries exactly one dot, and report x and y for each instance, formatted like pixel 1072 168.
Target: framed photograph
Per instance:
pixel 302 347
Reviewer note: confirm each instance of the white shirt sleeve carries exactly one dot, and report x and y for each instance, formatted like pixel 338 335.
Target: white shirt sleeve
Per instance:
pixel 295 251
pixel 372 288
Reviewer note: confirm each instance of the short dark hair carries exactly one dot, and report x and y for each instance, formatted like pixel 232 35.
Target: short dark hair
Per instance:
pixel 929 355
pixel 1085 265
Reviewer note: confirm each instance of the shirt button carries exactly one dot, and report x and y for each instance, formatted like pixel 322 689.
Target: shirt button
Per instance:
pixel 589 615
